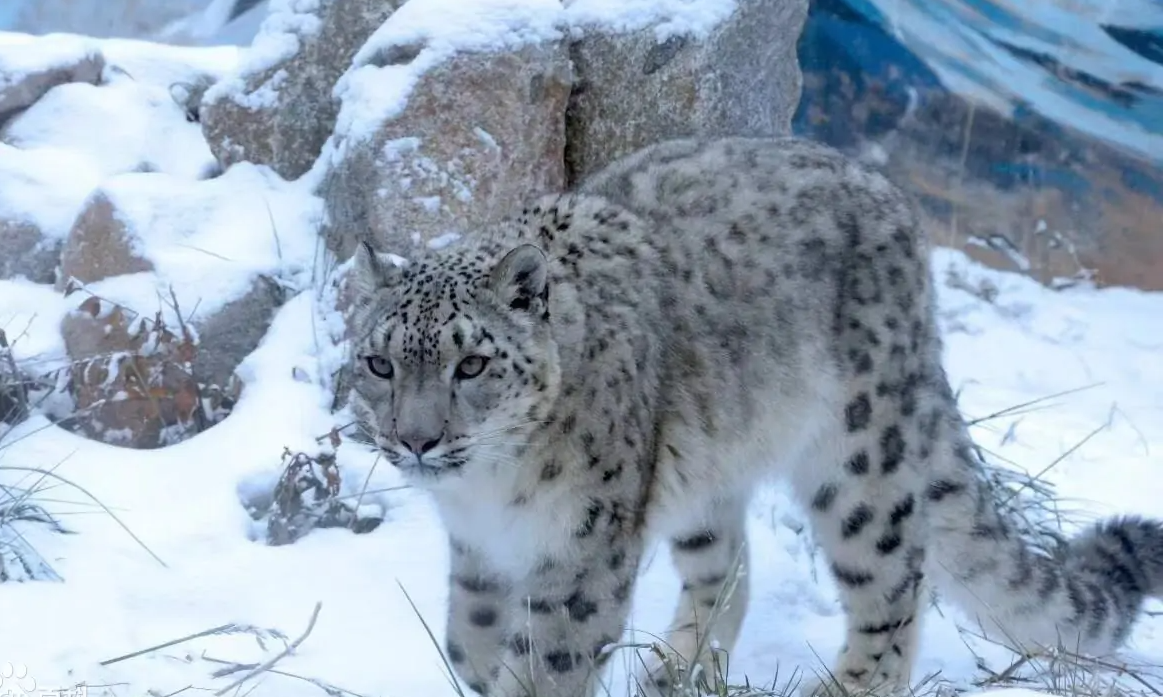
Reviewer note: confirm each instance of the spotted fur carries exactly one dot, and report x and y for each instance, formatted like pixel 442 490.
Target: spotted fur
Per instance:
pixel 631 359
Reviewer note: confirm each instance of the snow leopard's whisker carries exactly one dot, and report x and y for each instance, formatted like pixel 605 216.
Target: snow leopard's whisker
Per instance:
pixel 511 427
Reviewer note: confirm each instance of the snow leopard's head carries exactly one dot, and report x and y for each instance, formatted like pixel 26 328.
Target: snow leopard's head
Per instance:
pixel 454 363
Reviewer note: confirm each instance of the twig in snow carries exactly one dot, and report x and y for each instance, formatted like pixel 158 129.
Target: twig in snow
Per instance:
pixel 165 645
pixel 267 665
pixel 1024 407
pixel 232 667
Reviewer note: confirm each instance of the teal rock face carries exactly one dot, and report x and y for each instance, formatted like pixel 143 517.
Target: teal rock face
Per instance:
pixel 1049 166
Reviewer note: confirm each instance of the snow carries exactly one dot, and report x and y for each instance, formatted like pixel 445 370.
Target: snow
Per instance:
pixel 216 234
pixel 140 125
pixel 192 562
pixel 279 38
pixel 50 160
pixel 669 17
pixel 17 60
pixel 184 502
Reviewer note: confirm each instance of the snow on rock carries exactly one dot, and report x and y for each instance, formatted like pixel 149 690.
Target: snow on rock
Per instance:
pixel 277 109
pixel 140 126
pixel 194 270
pixel 111 112
pixel 112 179
pixel 408 161
pixel 667 18
pixel 425 34
pixel 30 67
pixel 450 118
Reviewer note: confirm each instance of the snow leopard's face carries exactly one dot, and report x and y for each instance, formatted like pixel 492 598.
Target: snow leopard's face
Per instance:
pixel 454 364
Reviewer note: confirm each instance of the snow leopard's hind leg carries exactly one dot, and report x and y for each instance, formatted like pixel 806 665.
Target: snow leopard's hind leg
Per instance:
pixel 711 558
pixel 866 514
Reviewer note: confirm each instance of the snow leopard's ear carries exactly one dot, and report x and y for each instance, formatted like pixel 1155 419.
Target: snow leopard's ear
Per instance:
pixel 521 280
pixel 372 270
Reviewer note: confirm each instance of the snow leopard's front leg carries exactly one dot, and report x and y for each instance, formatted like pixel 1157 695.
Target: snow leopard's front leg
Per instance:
pixel 479 604
pixel 569 609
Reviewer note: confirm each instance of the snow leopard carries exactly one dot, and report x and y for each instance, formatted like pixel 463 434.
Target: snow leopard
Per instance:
pixel 628 361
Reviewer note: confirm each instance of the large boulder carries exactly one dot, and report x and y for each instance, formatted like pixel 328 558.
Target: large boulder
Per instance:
pixel 478 134
pixel 443 130
pixel 739 76
pixel 279 110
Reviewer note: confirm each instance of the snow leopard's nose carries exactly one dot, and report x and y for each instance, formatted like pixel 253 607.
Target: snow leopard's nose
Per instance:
pixel 420 443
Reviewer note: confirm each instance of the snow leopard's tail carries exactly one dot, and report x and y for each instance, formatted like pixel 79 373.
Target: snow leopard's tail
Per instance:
pixel 1084 594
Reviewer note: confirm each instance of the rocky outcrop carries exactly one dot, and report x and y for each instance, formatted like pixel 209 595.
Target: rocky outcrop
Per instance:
pixel 481 131
pixel 634 89
pixel 279 109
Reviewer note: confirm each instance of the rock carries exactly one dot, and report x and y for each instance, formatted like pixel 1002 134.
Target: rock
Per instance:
pixel 229 334
pixel 633 89
pixel 30 68
pixel 100 245
pixel 130 376
pixel 189 94
pixel 27 252
pixel 147 382
pixel 148 376
pixel 478 135
pixel 278 110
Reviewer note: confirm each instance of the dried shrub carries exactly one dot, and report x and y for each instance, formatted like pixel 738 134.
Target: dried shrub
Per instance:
pixel 308 496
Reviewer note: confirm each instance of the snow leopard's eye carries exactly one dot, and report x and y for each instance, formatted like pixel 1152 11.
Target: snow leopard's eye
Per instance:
pixel 379 367
pixel 471 367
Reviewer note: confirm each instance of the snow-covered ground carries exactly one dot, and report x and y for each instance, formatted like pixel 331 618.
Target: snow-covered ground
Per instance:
pixel 191 562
